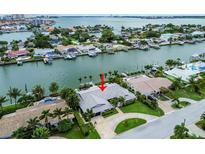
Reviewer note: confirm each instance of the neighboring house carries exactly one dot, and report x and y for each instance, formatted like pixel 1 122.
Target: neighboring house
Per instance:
pixel 198 33
pixel 146 85
pixel 19 53
pixel 67 49
pixel 44 52
pixel 88 49
pixel 96 100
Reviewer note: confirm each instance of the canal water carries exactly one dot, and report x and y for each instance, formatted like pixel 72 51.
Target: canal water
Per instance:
pixel 67 72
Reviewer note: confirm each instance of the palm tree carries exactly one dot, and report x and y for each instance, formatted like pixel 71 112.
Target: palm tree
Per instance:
pixel 33 123
pixel 89 114
pixel 45 115
pixel 57 113
pixel 64 93
pixel 9 93
pixel 38 92
pixel 80 80
pixel 110 73
pixel 90 77
pixel 73 101
pixel 170 40
pixel 115 72
pixel 67 111
pixel 203 116
pixel 180 131
pixel 15 94
pixel 2 100
pixel 53 88
pixel 105 75
pixel 177 83
pixel 85 77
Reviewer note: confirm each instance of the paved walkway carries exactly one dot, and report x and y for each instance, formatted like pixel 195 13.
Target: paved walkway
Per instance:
pixel 106 126
pixel 187 100
pixel 164 126
pixel 165 106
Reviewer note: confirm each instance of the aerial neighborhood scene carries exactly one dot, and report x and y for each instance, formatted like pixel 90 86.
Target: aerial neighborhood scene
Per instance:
pixel 102 76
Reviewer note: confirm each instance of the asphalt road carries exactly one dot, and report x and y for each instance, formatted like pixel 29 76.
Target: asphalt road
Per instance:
pixel 164 126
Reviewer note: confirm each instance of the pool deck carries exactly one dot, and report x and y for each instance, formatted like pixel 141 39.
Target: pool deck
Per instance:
pixel 13 121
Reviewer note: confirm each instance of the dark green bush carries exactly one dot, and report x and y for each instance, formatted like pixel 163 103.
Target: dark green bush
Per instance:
pixel 64 126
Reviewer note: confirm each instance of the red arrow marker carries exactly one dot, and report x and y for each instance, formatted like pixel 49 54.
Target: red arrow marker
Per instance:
pixel 102 86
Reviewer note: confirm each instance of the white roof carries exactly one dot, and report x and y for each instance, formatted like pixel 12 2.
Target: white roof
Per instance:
pixel 97 100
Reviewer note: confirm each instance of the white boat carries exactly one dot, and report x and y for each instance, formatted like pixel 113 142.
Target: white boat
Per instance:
pixel 68 56
pixel 92 54
pixel 47 60
pixel 19 62
pixel 155 46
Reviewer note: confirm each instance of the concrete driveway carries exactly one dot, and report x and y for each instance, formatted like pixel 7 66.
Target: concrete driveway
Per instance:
pixel 164 126
pixel 106 126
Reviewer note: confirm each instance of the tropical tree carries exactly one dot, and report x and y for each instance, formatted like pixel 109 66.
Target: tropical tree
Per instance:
pixel 180 131
pixel 177 83
pixel 203 116
pixel 88 115
pixel 25 99
pixel 38 92
pixel 10 94
pixel 57 113
pixel 73 101
pixel 41 133
pixel 15 94
pixel 170 40
pixel 53 88
pixel 64 93
pixel 67 111
pixel 195 85
pixel 45 115
pixel 33 122
pixel 110 73
pixel 90 77
pixel 80 80
pixel 2 100
pixel 105 75
pixel 85 77
pixel 115 72
pixel 170 63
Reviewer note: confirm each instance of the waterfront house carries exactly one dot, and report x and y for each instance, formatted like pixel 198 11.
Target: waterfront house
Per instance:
pixel 19 53
pixel 96 100
pixel 198 33
pixel 88 48
pixel 186 71
pixel 146 85
pixel 44 52
pixel 67 49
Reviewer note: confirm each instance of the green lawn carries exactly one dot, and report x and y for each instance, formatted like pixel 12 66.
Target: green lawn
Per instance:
pixel 201 124
pixel 109 113
pixel 186 93
pixel 12 108
pixel 129 124
pixel 141 108
pixel 75 133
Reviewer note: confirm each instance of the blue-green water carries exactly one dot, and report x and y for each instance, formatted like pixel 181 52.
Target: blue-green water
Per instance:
pixel 66 73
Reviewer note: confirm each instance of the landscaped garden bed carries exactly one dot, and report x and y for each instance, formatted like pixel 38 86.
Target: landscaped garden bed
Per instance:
pixel 109 113
pixel 128 124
